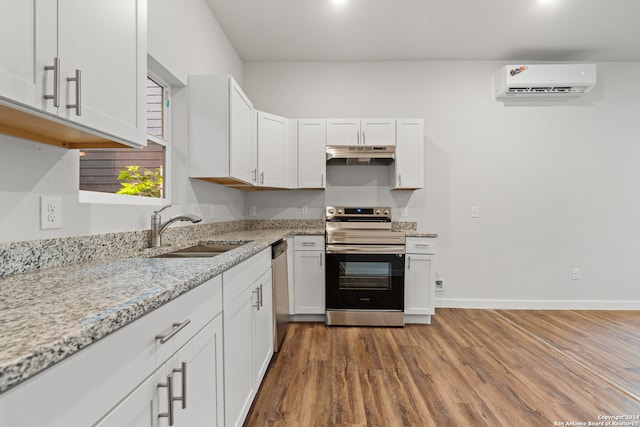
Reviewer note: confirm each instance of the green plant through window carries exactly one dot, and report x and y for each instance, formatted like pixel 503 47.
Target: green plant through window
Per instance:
pixel 139 181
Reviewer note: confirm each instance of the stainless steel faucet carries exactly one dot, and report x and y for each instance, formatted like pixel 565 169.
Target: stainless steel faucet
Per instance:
pixel 158 227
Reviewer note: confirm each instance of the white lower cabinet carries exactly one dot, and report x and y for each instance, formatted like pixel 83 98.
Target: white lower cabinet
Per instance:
pixel 308 264
pixel 248 333
pixel 419 280
pixel 195 397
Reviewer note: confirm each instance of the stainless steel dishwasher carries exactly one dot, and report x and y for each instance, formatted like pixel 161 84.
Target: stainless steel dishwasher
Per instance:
pixel 280 292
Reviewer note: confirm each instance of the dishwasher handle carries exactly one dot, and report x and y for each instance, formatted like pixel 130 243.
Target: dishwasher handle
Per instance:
pixel 278 248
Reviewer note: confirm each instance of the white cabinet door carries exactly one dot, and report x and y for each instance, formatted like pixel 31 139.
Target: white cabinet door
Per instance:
pixel 203 356
pixel 273 150
pixel 408 169
pixel 29 33
pixel 242 138
pixel 238 357
pixel 263 328
pixel 105 42
pixel 419 283
pixel 343 132
pixel 378 131
pixel 312 159
pixel 309 285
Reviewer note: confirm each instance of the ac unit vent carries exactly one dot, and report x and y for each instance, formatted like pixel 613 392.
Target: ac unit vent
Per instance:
pixel 544 80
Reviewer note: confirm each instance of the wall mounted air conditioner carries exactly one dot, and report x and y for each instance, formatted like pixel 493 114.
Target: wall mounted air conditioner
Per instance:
pixel 544 80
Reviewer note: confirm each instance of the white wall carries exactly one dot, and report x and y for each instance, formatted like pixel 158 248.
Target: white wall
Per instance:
pixel 555 182
pixel 186 39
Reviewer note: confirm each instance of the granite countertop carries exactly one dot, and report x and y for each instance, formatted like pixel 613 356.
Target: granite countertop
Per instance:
pixel 415 233
pixel 50 314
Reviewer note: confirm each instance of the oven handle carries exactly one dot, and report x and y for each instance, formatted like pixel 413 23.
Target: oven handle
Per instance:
pixel 365 249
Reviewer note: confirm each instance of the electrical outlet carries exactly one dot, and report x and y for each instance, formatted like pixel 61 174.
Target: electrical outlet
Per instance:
pixel 404 212
pixel 439 285
pixel 575 273
pixel 50 212
pixel 252 210
pixel 305 210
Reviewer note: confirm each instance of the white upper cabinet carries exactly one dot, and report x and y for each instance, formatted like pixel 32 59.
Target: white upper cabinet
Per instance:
pixel 103 46
pixel 273 151
pixel 312 164
pixel 222 137
pixel 23 77
pixel 361 132
pixel 83 63
pixel 407 172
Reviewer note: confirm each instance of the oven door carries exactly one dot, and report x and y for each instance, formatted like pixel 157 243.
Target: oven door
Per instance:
pixel 364 281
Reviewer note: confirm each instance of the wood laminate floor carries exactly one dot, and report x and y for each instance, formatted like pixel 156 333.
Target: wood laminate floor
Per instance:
pixel 468 368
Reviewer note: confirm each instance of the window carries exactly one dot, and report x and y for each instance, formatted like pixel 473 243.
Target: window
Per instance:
pixel 132 176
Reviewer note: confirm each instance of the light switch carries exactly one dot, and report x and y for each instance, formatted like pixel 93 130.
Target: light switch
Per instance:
pixel 475 212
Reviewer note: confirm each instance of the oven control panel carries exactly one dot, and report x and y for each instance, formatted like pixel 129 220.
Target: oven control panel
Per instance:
pixel 340 212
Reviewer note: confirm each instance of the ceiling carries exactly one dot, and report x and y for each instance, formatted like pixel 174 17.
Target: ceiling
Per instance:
pixel 397 30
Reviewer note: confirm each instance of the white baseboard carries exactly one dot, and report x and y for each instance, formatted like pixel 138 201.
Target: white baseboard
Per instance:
pixel 538 304
pixel 421 319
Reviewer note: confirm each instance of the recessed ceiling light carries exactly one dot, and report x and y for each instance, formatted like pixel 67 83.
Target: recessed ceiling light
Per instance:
pixel 338 1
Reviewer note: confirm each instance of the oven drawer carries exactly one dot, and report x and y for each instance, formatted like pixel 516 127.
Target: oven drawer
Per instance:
pixel 308 243
pixel 420 245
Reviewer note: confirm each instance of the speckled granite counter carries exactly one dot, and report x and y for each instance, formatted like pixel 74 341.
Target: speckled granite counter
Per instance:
pixel 50 314
pixel 415 233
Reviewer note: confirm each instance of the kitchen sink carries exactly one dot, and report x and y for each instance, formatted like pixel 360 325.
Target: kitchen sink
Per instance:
pixel 199 251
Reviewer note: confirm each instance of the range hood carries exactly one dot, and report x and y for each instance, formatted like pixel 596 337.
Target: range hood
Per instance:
pixel 360 154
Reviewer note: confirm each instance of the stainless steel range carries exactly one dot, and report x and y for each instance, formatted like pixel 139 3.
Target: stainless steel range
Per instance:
pixel 364 268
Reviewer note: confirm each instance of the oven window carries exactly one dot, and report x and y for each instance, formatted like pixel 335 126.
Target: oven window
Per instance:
pixel 364 275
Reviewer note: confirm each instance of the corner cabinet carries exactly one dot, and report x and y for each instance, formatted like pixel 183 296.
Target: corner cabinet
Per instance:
pixel 222 132
pixel 312 163
pixel 407 172
pixel 274 151
pixel 248 333
pixel 419 280
pixel 52 82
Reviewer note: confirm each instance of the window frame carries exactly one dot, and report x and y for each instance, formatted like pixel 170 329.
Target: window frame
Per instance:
pixel 100 197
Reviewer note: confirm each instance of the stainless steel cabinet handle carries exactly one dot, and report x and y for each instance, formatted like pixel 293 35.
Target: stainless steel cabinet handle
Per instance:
pixel 169 386
pixel 308 243
pixel 261 177
pixel 183 371
pixel 56 81
pixel 177 327
pixel 409 263
pixel 320 259
pixel 257 292
pixel 78 104
pixel 358 136
pixel 260 295
pixel 399 180
pixel 321 180
pixel 364 139
pixel 421 245
pixel 254 175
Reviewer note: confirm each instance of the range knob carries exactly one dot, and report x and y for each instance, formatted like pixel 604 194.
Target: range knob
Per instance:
pixel 340 211
pixel 332 211
pixel 377 211
pixel 386 212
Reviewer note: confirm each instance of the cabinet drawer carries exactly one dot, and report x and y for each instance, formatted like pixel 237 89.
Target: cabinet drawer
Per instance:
pixel 308 243
pixel 420 245
pixel 84 387
pixel 238 278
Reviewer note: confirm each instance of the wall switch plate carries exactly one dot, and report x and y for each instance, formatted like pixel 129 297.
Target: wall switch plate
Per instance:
pixel 50 212
pixel 475 212
pixel 439 285
pixel 575 273
pixel 252 210
pixel 404 212
pixel 305 210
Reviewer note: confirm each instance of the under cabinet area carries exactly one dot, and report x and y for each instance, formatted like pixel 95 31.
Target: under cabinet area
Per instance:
pixel 419 280
pixel 52 82
pixel 309 274
pixel 248 333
